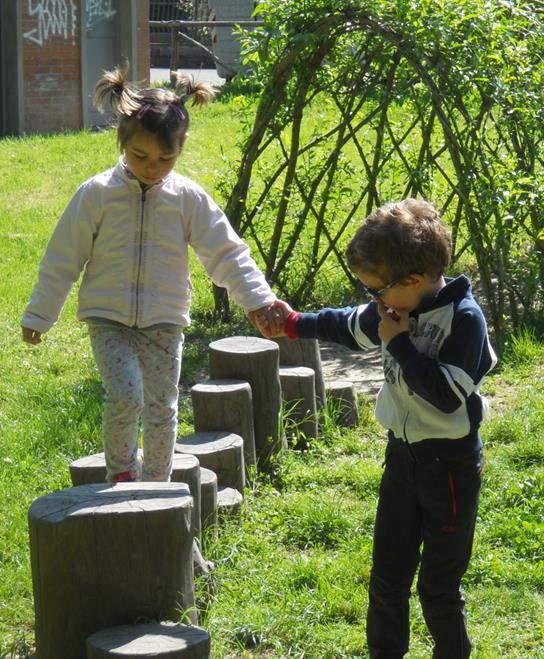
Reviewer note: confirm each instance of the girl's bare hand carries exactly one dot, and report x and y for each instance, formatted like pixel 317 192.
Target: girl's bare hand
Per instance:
pixel 270 320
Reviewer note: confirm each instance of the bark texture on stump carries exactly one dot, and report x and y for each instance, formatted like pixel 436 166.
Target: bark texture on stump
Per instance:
pixel 105 555
pixel 304 352
pixel 298 393
pixel 226 405
pixel 208 500
pixel 256 361
pixel 345 397
pixel 229 501
pixel 222 452
pixel 158 640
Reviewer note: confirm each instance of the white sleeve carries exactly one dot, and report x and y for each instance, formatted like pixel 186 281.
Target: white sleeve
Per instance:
pixel 65 257
pixel 223 253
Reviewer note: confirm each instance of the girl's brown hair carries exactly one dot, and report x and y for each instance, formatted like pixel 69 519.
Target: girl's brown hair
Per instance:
pixel 401 238
pixel 159 111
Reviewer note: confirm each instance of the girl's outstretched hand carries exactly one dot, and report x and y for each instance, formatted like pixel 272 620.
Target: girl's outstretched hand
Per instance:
pixel 270 320
pixel 31 336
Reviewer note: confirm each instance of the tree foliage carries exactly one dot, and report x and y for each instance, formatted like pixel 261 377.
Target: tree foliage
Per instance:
pixel 429 98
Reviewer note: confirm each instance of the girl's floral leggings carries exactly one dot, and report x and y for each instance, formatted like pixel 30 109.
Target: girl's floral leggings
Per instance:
pixel 140 370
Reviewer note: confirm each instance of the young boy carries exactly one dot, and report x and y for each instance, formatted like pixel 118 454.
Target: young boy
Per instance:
pixel 435 352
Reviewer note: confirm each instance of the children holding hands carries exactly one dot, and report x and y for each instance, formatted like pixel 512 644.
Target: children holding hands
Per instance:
pixel 128 229
pixel 435 352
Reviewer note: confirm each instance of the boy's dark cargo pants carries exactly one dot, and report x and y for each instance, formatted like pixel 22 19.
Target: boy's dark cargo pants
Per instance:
pixel 429 503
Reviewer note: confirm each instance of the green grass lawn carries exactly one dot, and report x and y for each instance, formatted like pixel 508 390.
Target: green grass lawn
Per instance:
pixel 292 575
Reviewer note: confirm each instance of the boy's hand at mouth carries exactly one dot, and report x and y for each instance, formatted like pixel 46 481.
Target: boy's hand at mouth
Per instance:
pixel 392 322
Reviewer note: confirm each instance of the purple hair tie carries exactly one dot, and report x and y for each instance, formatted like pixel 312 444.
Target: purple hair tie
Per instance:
pixel 143 110
pixel 182 115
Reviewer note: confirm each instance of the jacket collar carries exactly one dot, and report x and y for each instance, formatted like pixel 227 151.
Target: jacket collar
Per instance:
pixel 128 177
pixel 455 290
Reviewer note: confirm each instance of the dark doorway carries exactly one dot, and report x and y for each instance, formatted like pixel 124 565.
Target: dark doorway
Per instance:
pixel 10 68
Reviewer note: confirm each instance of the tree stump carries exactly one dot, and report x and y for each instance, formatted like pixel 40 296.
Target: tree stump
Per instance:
pixel 304 352
pixel 257 361
pixel 208 500
pixel 185 469
pixel 222 452
pixel 159 640
pixel 105 555
pixel 343 393
pixel 229 501
pixel 298 393
pixel 226 405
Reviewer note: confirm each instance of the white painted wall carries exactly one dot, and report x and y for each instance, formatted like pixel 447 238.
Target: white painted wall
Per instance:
pixel 225 44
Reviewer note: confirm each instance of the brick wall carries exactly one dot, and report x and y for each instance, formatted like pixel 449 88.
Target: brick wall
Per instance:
pixel 52 62
pixel 51 69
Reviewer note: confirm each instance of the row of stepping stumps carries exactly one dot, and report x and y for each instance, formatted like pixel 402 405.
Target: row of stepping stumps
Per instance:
pixel 107 556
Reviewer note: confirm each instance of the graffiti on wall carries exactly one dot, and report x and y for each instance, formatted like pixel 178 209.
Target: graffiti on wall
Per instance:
pixel 98 11
pixel 54 18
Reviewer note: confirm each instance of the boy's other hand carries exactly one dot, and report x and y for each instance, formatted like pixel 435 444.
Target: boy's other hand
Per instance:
pixel 392 322
pixel 31 336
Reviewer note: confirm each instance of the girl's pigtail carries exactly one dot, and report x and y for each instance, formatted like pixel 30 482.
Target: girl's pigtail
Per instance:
pixel 113 89
pixel 200 93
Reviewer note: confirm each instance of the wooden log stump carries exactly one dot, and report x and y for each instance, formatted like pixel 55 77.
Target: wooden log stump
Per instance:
pixel 88 470
pixel 159 640
pixel 343 393
pixel 208 498
pixel 105 555
pixel 256 361
pixel 298 393
pixel 222 452
pixel 304 352
pixel 229 501
pixel 185 469
pixel 226 405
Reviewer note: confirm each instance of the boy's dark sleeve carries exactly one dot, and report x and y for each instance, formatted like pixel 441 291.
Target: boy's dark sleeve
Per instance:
pixel 464 358
pixel 354 327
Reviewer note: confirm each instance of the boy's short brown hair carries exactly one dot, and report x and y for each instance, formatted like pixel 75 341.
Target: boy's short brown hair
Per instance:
pixel 401 238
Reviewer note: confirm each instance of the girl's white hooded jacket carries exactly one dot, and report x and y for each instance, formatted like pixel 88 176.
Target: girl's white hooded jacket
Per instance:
pixel 133 246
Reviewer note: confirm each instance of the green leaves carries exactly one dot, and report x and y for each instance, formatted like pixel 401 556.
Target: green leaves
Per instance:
pixel 392 98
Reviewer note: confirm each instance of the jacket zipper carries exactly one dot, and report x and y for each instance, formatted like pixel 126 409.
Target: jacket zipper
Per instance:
pixel 140 252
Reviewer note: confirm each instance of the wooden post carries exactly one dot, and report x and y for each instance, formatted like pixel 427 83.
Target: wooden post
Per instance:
pixel 304 352
pixel 298 393
pixel 186 469
pixel 150 640
pixel 208 501
pixel 226 405
pixel 344 394
pixel 222 452
pixel 257 361
pixel 229 501
pixel 105 555
pixel 174 49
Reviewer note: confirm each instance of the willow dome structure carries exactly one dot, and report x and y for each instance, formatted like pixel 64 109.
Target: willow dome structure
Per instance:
pixel 366 102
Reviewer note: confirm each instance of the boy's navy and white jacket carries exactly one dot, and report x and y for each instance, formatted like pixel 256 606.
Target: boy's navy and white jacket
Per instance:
pixel 432 373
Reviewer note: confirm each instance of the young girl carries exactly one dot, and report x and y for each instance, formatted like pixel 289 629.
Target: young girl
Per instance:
pixel 129 229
